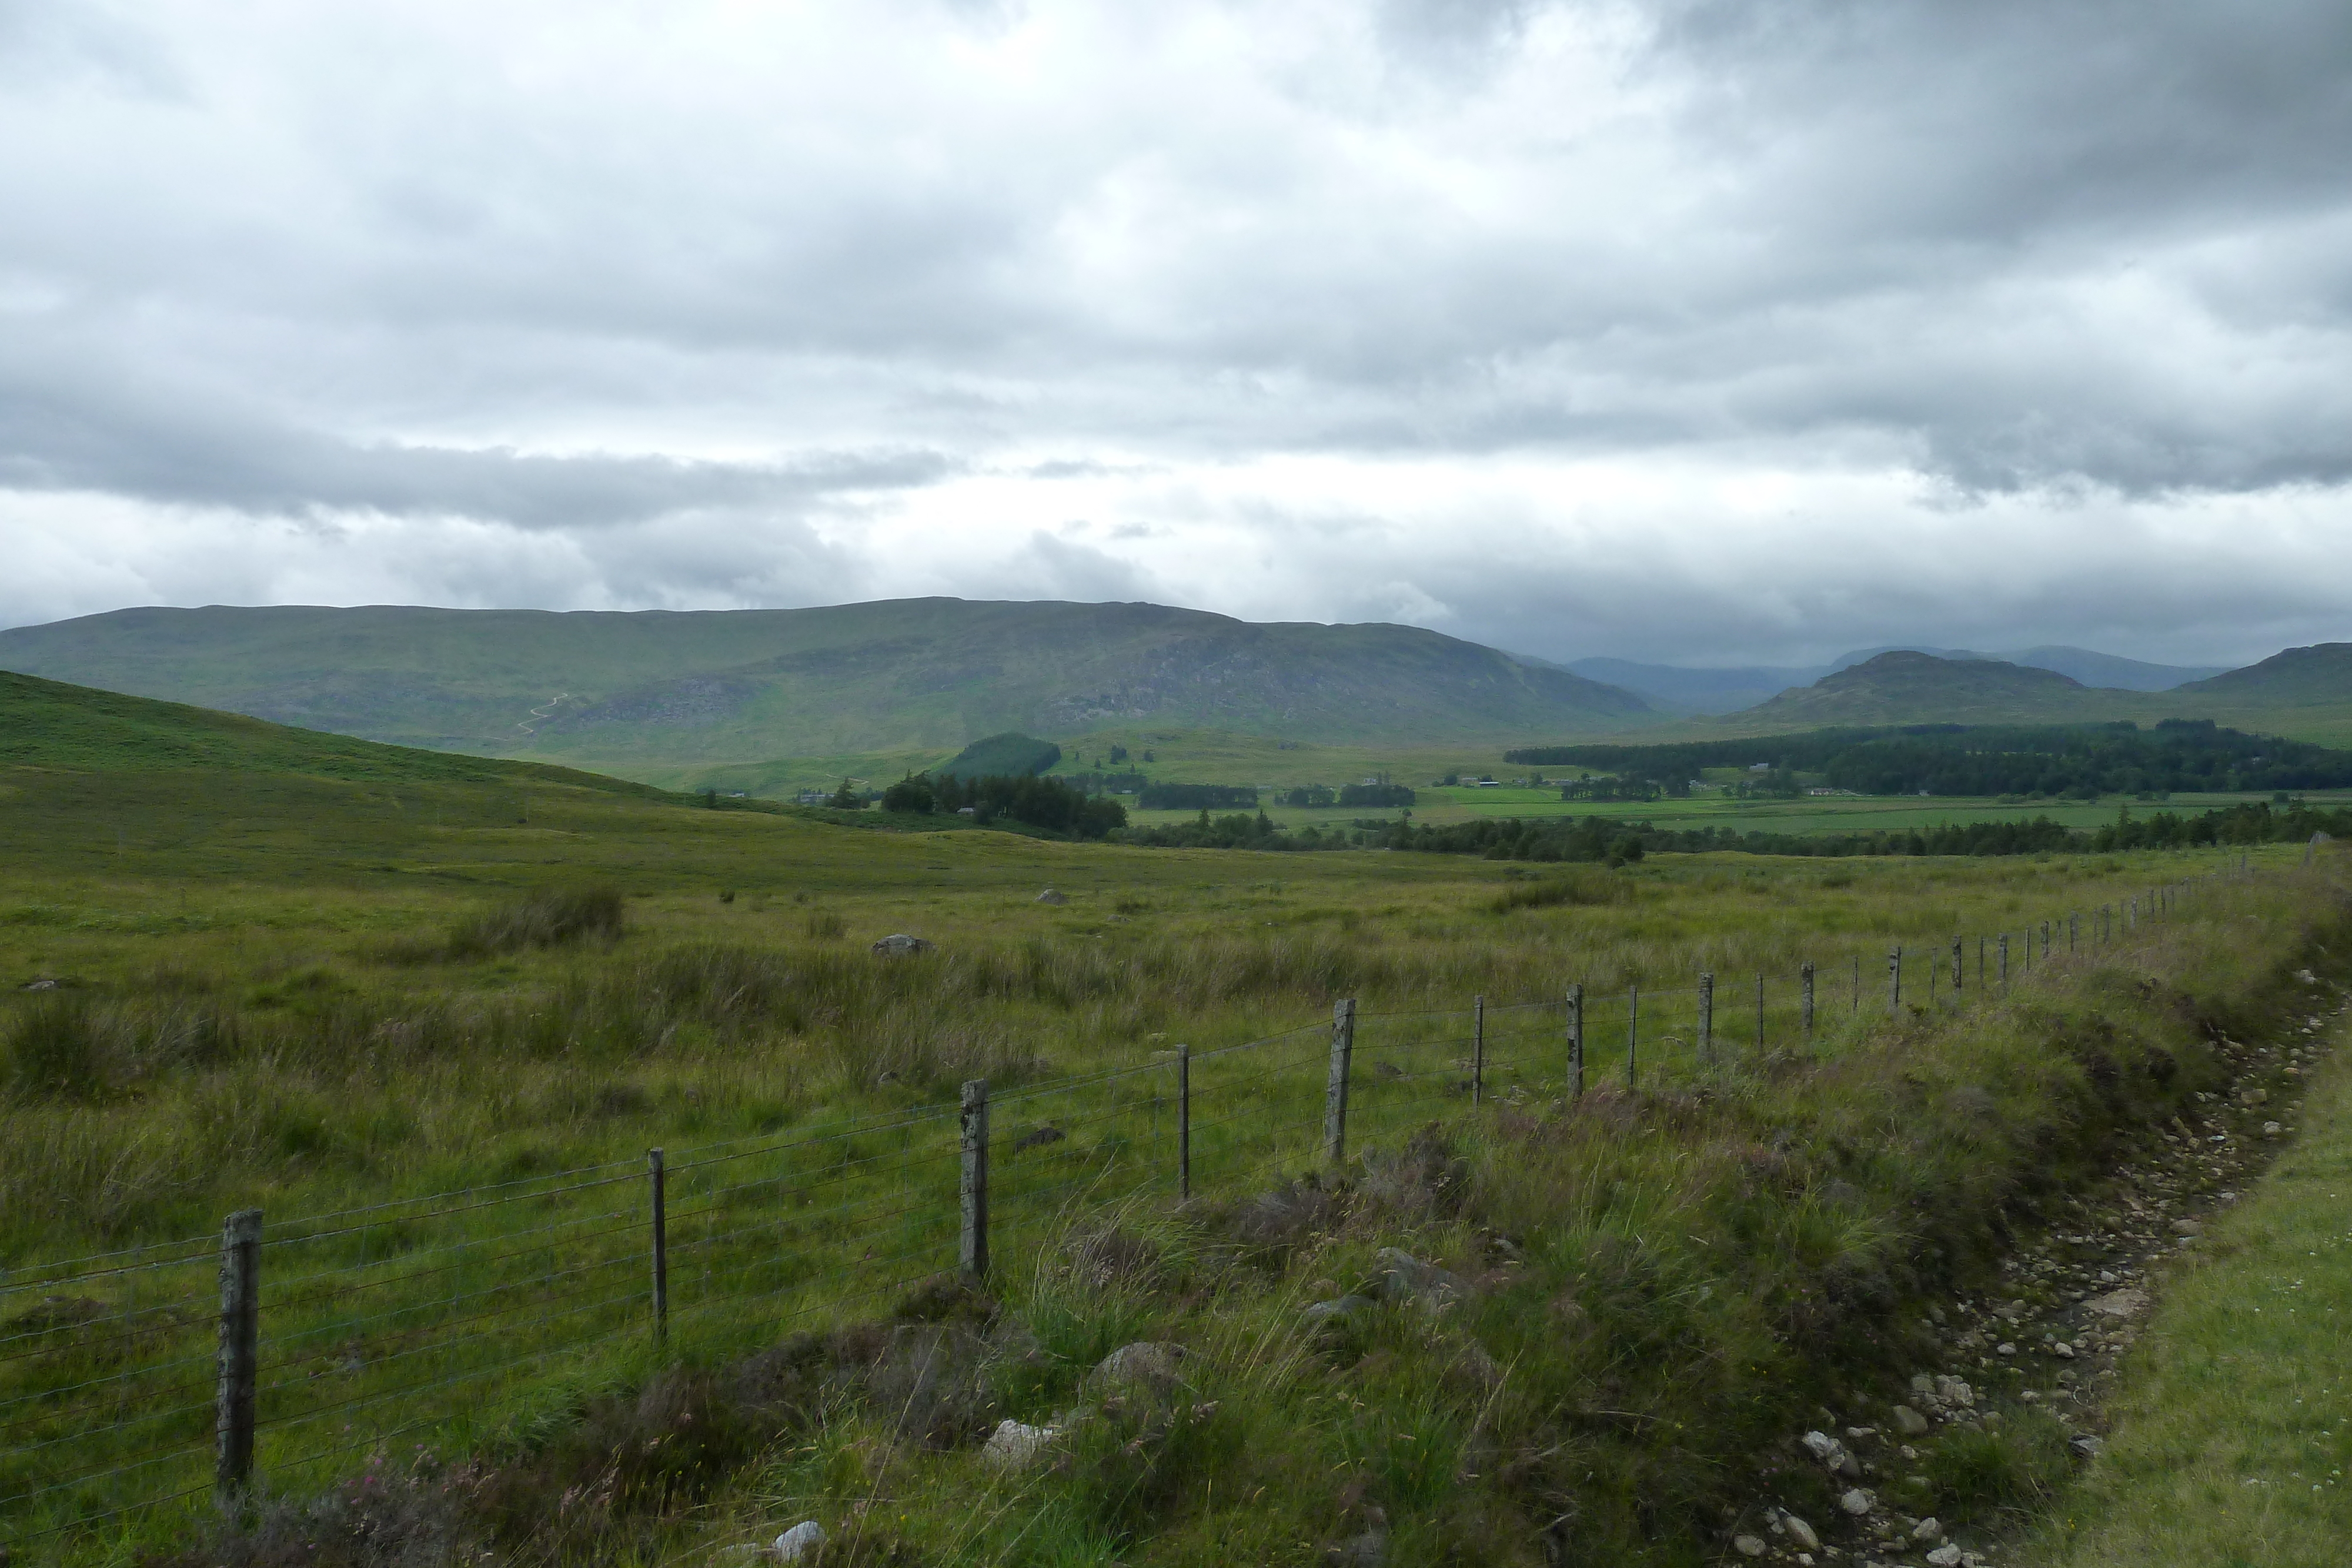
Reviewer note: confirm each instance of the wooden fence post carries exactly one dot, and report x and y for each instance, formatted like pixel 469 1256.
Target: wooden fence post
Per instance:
pixel 2073 931
pixel 1707 1019
pixel 971 1256
pixel 1632 1036
pixel 1895 980
pixel 1576 1041
pixel 1184 1124
pixel 2004 959
pixel 1805 989
pixel 240 1344
pixel 1478 1050
pixel 658 1175
pixel 1335 1089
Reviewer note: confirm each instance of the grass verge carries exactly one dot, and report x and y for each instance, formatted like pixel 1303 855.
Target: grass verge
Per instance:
pixel 2233 1430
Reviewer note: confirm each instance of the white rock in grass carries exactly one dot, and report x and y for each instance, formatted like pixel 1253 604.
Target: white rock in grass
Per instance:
pixel 1945 1556
pixel 1750 1546
pixel 1016 1445
pixel 1801 1532
pixel 1857 1502
pixel 800 1541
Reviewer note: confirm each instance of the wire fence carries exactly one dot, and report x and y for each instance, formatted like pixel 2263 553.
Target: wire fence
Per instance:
pixel 151 1377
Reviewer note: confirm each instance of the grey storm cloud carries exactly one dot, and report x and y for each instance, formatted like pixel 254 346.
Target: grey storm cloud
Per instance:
pixel 899 290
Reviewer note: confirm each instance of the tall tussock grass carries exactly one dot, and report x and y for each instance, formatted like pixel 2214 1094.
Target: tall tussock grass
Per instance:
pixel 548 918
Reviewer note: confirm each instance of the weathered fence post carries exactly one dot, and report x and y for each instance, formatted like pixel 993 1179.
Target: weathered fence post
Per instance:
pixel 1335 1090
pixel 1959 953
pixel 1805 989
pixel 1707 1019
pixel 657 1176
pixel 971 1256
pixel 1632 1036
pixel 2045 941
pixel 1759 1014
pixel 1895 980
pixel 2004 959
pixel 1477 1049
pixel 1576 1041
pixel 1183 1124
pixel 240 1344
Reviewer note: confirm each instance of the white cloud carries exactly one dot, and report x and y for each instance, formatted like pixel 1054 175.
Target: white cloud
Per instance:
pixel 1683 330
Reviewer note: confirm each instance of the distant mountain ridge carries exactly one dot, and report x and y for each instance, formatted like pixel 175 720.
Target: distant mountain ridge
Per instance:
pixel 634 690
pixel 1730 688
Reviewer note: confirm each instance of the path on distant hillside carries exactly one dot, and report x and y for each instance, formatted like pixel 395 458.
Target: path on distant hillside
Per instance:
pixel 543 712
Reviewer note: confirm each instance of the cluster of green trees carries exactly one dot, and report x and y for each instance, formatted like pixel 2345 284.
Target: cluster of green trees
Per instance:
pixel 1047 803
pixel 2081 761
pixel 2291 821
pixel 1377 795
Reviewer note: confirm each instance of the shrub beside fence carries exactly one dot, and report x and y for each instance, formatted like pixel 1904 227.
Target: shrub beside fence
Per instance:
pixel 157 1376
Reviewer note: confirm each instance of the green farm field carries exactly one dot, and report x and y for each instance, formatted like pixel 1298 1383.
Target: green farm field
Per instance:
pixel 395 1014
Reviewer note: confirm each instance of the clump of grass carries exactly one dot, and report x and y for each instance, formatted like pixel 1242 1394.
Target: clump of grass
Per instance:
pixel 54 1052
pixel 1582 887
pixel 824 925
pixel 545 919
pixel 2013 1465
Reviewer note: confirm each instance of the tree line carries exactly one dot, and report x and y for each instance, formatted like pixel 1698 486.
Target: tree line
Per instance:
pixel 2084 761
pixel 1611 842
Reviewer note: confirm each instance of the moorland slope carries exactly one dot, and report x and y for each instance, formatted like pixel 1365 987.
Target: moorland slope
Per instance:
pixel 55 726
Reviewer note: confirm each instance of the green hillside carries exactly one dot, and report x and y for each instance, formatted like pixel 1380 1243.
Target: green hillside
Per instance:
pixel 652 690
pixel 51 724
pixel 2321 673
pixel 1903 687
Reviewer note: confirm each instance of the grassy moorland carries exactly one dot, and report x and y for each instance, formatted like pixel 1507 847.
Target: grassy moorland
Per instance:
pixel 311 994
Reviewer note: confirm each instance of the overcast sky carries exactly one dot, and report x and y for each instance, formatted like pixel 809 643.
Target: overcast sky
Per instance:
pixel 1695 333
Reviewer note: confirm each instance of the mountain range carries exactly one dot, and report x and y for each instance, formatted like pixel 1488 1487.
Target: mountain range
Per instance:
pixel 622 691
pixel 714 696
